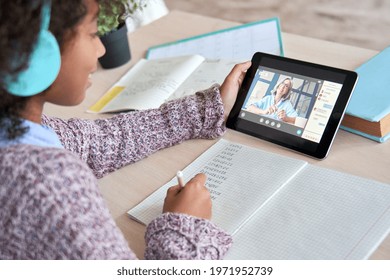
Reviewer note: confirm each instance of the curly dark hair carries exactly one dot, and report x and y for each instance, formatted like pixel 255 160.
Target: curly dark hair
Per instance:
pixel 65 15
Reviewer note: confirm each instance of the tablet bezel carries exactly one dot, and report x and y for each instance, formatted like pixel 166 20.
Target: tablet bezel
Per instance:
pixel 317 150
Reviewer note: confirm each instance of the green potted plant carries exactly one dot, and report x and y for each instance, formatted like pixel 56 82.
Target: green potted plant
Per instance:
pixel 112 30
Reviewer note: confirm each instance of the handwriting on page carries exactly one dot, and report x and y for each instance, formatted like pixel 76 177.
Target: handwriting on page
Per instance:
pixel 217 169
pixel 150 82
pixel 208 73
pixel 162 85
pixel 153 76
pixel 235 173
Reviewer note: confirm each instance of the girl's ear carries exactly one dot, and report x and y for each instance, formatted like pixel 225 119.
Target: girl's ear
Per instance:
pixel 44 62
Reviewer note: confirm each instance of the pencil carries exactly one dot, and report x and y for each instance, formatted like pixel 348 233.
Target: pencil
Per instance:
pixel 179 176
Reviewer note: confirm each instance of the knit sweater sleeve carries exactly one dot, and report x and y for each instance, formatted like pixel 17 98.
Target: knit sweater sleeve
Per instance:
pixel 55 209
pixel 178 236
pixel 109 144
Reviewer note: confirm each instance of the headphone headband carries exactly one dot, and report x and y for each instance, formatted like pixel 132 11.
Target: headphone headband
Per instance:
pixel 44 62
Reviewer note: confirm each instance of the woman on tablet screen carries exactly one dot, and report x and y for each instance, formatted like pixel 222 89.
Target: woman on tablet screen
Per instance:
pixel 50 203
pixel 277 105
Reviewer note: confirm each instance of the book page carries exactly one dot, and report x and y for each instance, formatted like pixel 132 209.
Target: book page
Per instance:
pixel 148 84
pixel 321 214
pixel 237 43
pixel 210 72
pixel 240 179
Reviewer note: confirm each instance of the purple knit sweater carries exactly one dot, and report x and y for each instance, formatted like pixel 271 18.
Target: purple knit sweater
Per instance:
pixel 50 204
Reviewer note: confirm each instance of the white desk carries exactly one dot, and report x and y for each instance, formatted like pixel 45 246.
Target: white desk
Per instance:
pixel 127 187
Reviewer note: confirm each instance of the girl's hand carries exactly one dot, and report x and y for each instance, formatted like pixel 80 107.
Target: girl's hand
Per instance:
pixel 194 199
pixel 231 85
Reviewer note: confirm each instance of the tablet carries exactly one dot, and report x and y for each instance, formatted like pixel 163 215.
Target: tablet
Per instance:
pixel 296 104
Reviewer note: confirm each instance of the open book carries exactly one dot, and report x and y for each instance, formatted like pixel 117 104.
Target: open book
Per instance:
pixel 282 208
pixel 150 83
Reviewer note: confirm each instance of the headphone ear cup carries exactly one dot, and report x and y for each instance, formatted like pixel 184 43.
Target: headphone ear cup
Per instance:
pixel 43 67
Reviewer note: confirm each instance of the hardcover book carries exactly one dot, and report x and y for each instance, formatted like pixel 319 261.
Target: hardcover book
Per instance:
pixel 368 113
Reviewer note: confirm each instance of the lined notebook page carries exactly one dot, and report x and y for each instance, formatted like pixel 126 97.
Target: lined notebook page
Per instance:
pixel 211 71
pixel 321 214
pixel 148 84
pixel 240 179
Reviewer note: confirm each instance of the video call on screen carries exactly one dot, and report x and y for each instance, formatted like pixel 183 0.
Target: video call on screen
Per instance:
pixel 306 108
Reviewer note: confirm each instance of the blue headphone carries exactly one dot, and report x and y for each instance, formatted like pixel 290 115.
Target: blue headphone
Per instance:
pixel 44 63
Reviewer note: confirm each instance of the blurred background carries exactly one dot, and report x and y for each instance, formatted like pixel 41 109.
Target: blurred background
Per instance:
pixel 361 23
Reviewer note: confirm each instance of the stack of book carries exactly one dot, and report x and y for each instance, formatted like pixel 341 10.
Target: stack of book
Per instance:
pixel 368 113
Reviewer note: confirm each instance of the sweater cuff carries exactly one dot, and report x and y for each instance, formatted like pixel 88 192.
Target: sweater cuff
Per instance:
pixel 213 112
pixel 180 236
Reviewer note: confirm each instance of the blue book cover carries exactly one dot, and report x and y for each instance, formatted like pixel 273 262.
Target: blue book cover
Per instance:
pixel 371 98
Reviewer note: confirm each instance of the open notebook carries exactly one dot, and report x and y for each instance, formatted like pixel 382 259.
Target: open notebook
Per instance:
pixel 150 83
pixel 282 208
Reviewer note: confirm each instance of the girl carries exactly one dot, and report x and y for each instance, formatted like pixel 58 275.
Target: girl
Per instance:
pixel 50 205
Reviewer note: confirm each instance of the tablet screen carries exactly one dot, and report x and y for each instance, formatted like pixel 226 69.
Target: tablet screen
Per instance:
pixel 293 103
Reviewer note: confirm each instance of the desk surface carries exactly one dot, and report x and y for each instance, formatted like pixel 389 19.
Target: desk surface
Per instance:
pixel 125 188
